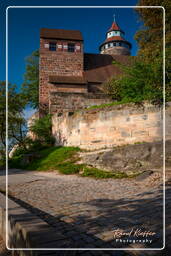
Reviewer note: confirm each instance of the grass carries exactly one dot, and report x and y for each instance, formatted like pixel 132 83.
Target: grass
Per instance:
pixel 63 159
pixel 49 158
pixel 111 104
pixel 105 105
pixel 101 174
pixel 69 168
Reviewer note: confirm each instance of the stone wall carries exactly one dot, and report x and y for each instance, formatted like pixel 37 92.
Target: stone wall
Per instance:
pixel 69 102
pixel 59 63
pixel 117 50
pixel 117 125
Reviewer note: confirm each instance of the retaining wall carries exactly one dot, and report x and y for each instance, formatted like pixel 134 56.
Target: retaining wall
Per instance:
pixel 109 127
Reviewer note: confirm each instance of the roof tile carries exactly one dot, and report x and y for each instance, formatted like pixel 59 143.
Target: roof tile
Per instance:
pixel 61 34
pixel 67 79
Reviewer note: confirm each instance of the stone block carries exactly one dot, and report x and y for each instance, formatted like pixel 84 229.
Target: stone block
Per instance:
pixel 139 133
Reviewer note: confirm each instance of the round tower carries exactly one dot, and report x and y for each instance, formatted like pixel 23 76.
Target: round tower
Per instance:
pixel 115 43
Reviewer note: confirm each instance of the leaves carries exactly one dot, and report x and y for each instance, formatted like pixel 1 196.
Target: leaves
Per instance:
pixel 144 79
pixel 30 87
pixel 16 122
pixel 42 129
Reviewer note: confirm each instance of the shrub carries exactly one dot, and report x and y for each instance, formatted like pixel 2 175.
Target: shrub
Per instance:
pixel 139 82
pixel 42 128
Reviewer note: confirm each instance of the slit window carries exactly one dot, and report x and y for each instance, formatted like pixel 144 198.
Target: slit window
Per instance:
pixel 52 46
pixel 71 47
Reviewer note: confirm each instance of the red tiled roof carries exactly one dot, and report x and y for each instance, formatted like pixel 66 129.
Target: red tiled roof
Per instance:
pixel 93 60
pixel 61 34
pixel 96 60
pixel 117 38
pixel 100 75
pixel 114 27
pixel 67 79
pixel 103 73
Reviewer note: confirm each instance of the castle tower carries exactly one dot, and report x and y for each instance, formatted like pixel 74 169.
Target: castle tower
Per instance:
pixel 61 63
pixel 115 44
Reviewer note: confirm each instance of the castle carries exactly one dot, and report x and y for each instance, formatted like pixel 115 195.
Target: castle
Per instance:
pixel 71 79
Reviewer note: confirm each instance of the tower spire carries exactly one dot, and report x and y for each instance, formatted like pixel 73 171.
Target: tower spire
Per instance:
pixel 114 18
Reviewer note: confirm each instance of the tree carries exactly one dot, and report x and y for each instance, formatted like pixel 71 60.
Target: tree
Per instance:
pixel 30 87
pixel 137 83
pixel 150 36
pixel 16 122
pixel 144 79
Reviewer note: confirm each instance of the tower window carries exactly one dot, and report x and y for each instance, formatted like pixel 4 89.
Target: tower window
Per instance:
pixel 71 47
pixel 52 46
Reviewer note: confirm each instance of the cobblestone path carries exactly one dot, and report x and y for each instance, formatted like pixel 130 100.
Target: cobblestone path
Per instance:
pixel 86 211
pixel 3 250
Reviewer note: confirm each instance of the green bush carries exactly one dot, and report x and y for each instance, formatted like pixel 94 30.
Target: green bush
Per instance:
pixel 42 129
pixel 139 82
pixel 20 151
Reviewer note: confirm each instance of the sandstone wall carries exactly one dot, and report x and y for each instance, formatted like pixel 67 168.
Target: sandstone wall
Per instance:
pixel 62 102
pixel 118 125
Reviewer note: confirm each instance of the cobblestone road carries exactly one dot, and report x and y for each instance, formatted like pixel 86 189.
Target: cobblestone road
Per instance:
pixel 86 211
pixel 3 250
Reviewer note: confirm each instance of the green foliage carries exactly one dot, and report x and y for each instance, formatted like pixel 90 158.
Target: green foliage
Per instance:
pixel 143 80
pixel 30 87
pixel 16 122
pixel 94 172
pixel 106 105
pixel 113 88
pixel 42 129
pixel 69 168
pixel 139 82
pixel 150 37
pixel 50 158
pixel 15 162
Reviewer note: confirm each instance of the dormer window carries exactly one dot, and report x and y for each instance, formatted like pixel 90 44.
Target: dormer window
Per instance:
pixel 52 46
pixel 71 47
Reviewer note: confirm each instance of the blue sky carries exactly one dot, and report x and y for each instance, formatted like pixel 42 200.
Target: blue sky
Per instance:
pixel 25 24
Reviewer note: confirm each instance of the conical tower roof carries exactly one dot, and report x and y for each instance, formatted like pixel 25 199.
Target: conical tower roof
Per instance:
pixel 114 26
